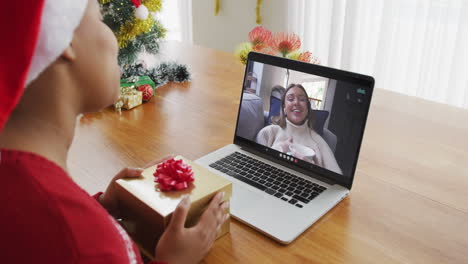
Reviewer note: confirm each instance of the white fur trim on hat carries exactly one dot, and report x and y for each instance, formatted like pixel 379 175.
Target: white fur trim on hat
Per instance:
pixel 59 20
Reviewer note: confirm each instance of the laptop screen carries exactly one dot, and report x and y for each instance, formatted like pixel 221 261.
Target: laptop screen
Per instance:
pixel 306 116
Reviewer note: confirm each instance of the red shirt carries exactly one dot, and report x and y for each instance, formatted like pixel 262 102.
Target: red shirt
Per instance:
pixel 45 217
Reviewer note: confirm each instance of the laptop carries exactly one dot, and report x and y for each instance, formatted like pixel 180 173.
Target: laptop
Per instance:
pixel 287 173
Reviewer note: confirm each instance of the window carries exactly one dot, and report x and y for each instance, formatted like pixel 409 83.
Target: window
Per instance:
pixel 316 90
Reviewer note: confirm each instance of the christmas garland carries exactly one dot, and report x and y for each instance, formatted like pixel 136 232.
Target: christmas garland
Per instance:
pixel 134 25
pixel 162 74
pixel 139 83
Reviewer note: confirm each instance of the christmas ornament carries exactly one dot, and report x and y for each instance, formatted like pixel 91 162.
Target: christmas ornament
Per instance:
pixel 147 91
pixel 136 3
pixel 142 12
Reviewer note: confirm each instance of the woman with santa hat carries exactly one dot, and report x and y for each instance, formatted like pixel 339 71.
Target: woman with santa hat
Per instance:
pixel 59 60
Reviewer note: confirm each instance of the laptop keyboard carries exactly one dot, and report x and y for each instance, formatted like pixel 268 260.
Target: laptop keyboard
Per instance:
pixel 276 182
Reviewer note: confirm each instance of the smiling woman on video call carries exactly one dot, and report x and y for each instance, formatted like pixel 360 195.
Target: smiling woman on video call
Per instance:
pixel 295 127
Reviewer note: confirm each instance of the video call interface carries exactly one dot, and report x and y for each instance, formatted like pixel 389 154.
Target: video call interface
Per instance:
pixel 308 119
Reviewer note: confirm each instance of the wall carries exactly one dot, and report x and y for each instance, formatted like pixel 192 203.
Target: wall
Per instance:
pixel 329 96
pixel 271 76
pixel 234 21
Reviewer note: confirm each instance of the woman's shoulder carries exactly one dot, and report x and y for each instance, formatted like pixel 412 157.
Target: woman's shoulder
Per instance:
pixel 27 166
pixel 267 134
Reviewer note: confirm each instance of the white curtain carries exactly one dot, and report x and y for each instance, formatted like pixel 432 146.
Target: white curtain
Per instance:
pixel 415 47
pixel 176 17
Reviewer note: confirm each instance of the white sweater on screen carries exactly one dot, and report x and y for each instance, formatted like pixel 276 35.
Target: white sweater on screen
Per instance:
pixel 273 135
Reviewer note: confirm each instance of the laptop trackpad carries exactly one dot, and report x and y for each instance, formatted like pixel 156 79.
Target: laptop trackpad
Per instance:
pixel 244 201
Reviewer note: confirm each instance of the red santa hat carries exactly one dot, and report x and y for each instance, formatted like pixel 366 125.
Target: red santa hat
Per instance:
pixel 34 34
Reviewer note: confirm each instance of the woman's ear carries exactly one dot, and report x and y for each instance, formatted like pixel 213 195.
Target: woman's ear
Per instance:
pixel 69 53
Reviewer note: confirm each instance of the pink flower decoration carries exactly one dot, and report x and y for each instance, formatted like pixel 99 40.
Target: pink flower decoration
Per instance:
pixel 305 56
pixel 278 44
pixel 260 46
pixel 267 50
pixel 314 60
pixel 173 175
pixel 285 43
pixel 259 36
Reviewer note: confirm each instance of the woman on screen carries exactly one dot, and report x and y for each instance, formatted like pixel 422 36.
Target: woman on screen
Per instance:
pixel 293 131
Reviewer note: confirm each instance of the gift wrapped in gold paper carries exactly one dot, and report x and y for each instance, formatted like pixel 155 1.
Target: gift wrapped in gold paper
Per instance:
pixel 129 98
pixel 147 210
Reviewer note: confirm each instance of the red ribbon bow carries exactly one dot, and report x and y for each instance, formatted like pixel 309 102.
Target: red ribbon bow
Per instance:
pixel 136 3
pixel 173 175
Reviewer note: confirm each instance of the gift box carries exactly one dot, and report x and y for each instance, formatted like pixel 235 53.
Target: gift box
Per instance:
pixel 129 98
pixel 137 81
pixel 146 210
pixel 132 99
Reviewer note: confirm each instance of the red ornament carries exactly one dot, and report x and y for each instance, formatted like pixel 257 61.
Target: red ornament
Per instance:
pixel 173 175
pixel 147 91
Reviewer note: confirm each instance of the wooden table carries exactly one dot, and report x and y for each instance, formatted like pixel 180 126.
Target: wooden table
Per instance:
pixel 409 202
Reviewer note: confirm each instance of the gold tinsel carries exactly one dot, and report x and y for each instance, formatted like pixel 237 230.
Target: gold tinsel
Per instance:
pixel 130 30
pixel 216 7
pixel 152 5
pixel 258 18
pixel 257 11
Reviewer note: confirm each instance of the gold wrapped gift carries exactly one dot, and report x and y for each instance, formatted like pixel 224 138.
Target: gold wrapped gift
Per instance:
pixel 129 98
pixel 132 99
pixel 147 211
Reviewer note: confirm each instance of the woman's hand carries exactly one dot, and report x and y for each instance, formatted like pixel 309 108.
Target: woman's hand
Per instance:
pixel 109 199
pixel 284 145
pixel 189 245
